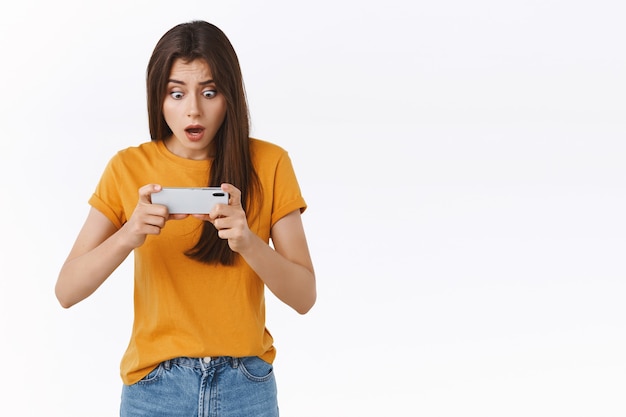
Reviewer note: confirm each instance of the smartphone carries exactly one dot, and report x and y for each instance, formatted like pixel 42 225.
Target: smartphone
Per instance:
pixel 190 200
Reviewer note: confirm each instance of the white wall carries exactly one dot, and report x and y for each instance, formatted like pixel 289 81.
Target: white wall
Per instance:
pixel 464 168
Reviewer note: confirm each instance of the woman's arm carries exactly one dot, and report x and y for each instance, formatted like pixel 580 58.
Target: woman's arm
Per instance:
pixel 100 247
pixel 287 270
pixel 97 252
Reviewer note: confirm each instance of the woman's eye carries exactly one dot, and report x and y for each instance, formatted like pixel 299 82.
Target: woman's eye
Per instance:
pixel 209 93
pixel 176 95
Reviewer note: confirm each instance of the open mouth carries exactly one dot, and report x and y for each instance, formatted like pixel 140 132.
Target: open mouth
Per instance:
pixel 194 133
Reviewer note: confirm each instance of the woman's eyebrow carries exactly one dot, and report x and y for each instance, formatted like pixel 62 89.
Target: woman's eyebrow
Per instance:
pixel 183 83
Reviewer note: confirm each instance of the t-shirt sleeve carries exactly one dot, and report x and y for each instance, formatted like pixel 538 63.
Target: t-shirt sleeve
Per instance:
pixel 287 195
pixel 106 197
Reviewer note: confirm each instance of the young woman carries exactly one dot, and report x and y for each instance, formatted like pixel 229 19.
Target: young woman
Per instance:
pixel 199 341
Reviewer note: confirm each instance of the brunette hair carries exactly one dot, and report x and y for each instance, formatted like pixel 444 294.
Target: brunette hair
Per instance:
pixel 232 162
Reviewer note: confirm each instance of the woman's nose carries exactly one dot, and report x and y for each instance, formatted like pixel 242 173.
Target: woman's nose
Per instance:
pixel 193 107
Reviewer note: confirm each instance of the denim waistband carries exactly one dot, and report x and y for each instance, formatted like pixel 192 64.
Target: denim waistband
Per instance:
pixel 202 363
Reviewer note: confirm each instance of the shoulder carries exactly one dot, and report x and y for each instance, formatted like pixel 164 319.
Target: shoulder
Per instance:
pixel 271 161
pixel 132 155
pixel 264 150
pixel 142 150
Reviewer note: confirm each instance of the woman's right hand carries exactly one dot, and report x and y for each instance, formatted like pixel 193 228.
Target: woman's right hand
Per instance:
pixel 147 218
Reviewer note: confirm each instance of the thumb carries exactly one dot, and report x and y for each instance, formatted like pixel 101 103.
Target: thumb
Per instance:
pixel 234 194
pixel 146 191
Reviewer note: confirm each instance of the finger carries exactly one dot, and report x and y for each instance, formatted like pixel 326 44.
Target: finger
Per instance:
pixel 234 194
pixel 150 225
pixel 226 223
pixel 146 191
pixel 155 220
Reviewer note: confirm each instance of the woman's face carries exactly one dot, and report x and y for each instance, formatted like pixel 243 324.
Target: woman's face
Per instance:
pixel 194 109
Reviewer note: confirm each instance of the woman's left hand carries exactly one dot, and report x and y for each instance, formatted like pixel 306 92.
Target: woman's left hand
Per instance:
pixel 230 220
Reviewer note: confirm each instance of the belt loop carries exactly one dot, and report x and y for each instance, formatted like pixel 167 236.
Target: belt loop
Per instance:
pixel 234 362
pixel 167 364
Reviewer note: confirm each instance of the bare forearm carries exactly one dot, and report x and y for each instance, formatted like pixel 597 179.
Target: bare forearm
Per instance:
pixel 292 283
pixel 82 275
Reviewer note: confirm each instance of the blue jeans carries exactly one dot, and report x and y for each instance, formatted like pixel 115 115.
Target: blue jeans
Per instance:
pixel 209 387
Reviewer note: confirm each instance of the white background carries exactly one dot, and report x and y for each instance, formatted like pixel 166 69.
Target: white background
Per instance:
pixel 464 168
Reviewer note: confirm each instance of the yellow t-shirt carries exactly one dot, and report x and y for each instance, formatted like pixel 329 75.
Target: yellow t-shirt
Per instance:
pixel 184 307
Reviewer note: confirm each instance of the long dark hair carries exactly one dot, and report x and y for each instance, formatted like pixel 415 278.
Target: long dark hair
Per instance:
pixel 233 161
